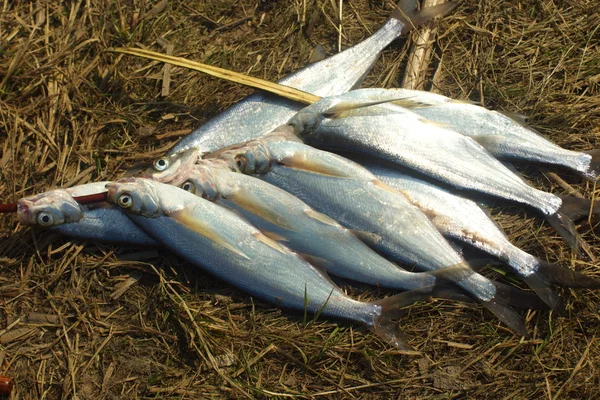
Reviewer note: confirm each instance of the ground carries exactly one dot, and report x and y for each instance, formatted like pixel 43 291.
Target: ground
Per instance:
pixel 90 320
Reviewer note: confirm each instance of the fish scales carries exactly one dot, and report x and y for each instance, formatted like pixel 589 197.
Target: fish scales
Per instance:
pixel 403 137
pixel 456 217
pixel 93 222
pixel 273 273
pixel 303 229
pixel 259 114
pixel 501 135
pixel 349 194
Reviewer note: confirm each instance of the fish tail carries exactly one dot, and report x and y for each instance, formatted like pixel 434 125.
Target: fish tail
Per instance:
pixel 576 208
pixel 566 228
pixel 497 299
pixel 566 277
pixel 410 17
pixel 394 307
pixel 542 286
pixel 518 298
pixel 593 171
pixel 507 315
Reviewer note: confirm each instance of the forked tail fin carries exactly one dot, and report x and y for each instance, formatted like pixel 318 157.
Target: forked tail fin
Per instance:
pixel 517 298
pixel 593 171
pixel 410 17
pixel 507 315
pixel 394 307
pixel 566 277
pixel 542 286
pixel 566 228
pixel 576 208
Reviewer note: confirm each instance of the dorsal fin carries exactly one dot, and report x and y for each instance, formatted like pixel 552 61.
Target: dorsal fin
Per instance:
pixel 520 119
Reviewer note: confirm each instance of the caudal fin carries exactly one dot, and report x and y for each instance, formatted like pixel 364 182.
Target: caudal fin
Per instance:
pixel 593 171
pixel 576 208
pixel 407 13
pixel 507 315
pixel 517 298
pixel 394 307
pixel 566 277
pixel 542 286
pixel 545 296
pixel 566 228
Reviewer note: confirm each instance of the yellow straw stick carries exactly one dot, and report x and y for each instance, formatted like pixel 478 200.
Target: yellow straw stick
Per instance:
pixel 275 88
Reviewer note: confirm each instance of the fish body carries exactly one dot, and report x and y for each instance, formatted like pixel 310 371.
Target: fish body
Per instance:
pixel 502 136
pixel 224 244
pixel 405 138
pixel 350 194
pixel 259 114
pixel 455 216
pixel 298 226
pixel 463 220
pixel 58 211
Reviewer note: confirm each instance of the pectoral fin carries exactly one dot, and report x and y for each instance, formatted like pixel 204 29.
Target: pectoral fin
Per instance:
pixel 337 110
pixel 368 238
pixel 386 187
pixel 259 206
pixel 301 162
pixel 271 243
pixel 206 230
pixel 321 218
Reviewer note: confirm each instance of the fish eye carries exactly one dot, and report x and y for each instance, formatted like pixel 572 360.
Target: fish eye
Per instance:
pixel 241 163
pixel 161 164
pixel 188 186
pixel 44 218
pixel 125 201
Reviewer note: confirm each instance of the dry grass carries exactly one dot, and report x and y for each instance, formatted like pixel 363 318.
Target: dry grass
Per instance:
pixel 82 320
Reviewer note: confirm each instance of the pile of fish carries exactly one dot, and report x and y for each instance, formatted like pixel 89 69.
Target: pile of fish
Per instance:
pixel 377 186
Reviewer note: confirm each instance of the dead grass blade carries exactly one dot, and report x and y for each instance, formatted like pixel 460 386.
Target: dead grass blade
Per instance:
pixel 280 90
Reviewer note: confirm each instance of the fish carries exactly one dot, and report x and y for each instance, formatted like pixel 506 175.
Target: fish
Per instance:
pixel 506 136
pixel 285 218
pixel 464 220
pixel 260 113
pixel 350 194
pixel 225 245
pixel 362 122
pixel 58 211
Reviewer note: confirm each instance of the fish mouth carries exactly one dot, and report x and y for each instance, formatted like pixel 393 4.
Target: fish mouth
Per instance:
pixel 112 191
pixel 23 212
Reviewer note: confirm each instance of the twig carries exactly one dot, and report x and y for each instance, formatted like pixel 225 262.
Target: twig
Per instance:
pixel 420 54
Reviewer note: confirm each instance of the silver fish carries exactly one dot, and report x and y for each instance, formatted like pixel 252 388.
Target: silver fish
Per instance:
pixel 259 114
pixel 353 196
pixel 357 122
pixel 222 243
pixel 502 136
pixel 58 211
pixel 286 218
pixel 464 220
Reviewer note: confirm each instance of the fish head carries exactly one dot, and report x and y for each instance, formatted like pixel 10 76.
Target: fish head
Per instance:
pixel 251 158
pixel 306 121
pixel 172 168
pixel 135 195
pixel 201 182
pixel 47 209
